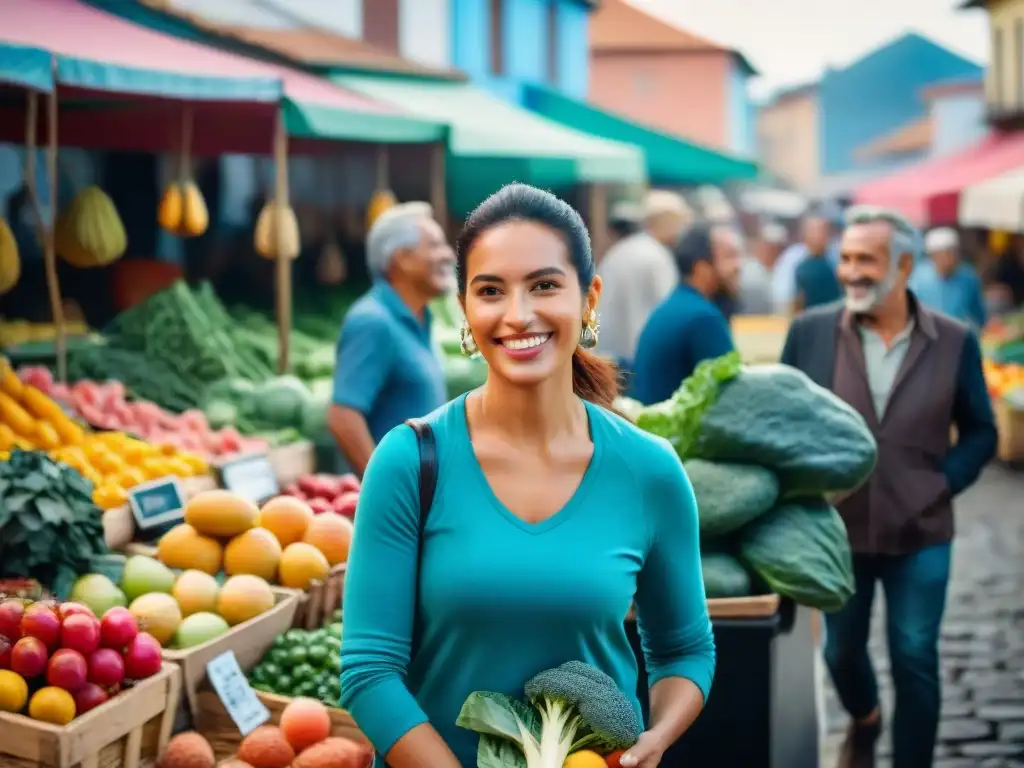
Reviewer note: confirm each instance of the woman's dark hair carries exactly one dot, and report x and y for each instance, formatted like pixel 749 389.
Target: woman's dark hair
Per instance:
pixel 593 378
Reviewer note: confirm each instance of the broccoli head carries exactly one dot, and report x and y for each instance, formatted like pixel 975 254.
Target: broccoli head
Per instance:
pixel 581 707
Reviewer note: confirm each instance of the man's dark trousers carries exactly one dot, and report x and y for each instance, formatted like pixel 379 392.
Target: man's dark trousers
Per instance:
pixel 915 598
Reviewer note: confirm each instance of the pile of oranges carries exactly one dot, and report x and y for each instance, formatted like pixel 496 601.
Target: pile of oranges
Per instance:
pixel 1003 378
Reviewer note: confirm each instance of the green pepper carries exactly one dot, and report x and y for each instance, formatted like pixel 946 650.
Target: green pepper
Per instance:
pixel 279 657
pixel 297 655
pixel 306 688
pixel 304 672
pixel 318 655
pixel 269 670
pixel 284 684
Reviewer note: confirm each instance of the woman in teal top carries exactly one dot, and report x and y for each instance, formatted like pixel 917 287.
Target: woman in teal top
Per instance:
pixel 551 517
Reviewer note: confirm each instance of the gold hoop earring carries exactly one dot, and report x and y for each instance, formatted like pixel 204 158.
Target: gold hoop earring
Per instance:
pixel 466 341
pixel 588 335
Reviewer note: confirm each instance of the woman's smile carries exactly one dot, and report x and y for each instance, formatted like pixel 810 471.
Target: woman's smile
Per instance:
pixel 524 346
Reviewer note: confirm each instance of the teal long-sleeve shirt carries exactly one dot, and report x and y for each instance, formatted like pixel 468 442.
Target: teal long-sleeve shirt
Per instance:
pixel 501 599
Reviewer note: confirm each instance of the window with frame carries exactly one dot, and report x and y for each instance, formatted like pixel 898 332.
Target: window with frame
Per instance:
pixel 497 37
pixel 552 25
pixel 381 19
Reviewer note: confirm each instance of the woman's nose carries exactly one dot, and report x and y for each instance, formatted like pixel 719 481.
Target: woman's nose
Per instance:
pixel 518 313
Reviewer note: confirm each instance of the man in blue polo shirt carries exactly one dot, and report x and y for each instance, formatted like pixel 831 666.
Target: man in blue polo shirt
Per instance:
pixel 387 370
pixel 688 326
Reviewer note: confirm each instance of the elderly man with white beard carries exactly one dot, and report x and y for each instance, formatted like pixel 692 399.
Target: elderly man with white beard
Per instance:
pixel 912 374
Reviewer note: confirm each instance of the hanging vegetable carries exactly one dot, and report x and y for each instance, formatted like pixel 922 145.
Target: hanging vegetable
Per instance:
pixel 276 218
pixel 89 232
pixel 331 267
pixel 182 209
pixel 381 201
pixel 10 263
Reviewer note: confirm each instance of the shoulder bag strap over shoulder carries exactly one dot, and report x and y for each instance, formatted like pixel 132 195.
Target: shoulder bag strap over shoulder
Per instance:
pixel 428 483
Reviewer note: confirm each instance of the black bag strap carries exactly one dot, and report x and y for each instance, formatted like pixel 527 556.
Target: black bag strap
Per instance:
pixel 428 483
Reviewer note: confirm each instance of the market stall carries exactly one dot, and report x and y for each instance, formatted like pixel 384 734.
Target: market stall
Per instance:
pixel 1003 346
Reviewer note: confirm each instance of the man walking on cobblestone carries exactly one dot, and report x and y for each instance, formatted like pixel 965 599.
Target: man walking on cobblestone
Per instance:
pixel 913 374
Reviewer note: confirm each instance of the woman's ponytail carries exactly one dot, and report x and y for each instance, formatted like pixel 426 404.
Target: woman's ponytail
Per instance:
pixel 594 378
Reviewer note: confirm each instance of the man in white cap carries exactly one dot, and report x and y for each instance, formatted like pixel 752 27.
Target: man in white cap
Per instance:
pixel 638 272
pixel 946 284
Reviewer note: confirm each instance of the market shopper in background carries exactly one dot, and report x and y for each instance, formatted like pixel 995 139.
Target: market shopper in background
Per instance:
pixel 755 287
pixel 688 326
pixel 816 239
pixel 815 282
pixel 912 374
pixel 944 283
pixel 638 272
pixel 1007 280
pixel 387 371
pixel 551 516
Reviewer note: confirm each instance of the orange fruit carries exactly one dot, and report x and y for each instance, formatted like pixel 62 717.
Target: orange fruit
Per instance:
pixel 129 477
pixel 254 552
pixel 52 705
pixel 109 495
pixel 332 535
pixel 287 518
pixel 300 565
pixel 13 691
pixel 305 722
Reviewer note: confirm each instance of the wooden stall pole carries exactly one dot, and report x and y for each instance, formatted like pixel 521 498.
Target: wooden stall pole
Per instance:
pixel 383 168
pixel 438 185
pixel 283 281
pixel 44 229
pixel 598 210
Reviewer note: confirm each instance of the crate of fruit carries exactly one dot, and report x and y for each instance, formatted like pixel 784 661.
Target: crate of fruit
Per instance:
pixel 77 689
pixel 1010 423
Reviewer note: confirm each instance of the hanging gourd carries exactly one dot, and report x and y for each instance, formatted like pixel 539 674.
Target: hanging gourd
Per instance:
pixel 382 200
pixel 89 232
pixel 273 219
pixel 331 267
pixel 182 210
pixel 10 263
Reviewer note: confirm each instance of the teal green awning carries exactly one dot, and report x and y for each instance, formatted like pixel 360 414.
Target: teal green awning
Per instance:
pixel 27 67
pixel 492 142
pixel 669 160
pixel 305 120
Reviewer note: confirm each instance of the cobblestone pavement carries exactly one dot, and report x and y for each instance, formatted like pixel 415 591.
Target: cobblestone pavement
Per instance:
pixel 982 637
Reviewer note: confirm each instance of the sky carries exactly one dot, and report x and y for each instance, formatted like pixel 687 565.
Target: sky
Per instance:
pixel 792 41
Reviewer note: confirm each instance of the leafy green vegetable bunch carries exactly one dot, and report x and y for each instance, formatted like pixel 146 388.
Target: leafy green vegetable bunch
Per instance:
pixel 568 708
pixel 50 529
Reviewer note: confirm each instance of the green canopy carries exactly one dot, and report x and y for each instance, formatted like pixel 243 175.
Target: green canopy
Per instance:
pixel 492 142
pixel 27 67
pixel 670 160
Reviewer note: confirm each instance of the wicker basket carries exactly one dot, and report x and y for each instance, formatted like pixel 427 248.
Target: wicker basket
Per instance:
pixel 130 729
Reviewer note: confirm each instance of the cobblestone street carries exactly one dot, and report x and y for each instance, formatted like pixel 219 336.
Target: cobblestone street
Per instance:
pixel 982 637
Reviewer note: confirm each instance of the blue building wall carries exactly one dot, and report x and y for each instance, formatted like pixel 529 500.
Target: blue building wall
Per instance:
pixel 526 50
pixel 879 93
pixel 957 121
pixel 741 113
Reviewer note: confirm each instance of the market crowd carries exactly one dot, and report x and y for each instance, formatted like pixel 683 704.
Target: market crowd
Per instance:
pixel 883 315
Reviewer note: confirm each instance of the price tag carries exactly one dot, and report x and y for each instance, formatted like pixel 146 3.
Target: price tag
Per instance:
pixel 251 477
pixel 111 566
pixel 157 503
pixel 235 693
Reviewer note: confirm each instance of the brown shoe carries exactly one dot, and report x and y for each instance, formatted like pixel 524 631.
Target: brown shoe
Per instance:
pixel 859 746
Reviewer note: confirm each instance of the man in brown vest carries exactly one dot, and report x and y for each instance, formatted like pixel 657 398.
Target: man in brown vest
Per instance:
pixel 913 374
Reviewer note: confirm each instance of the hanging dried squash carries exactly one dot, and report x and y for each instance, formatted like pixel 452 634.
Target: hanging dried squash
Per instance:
pixel 89 232
pixel 381 201
pixel 10 262
pixel 276 218
pixel 331 267
pixel 182 209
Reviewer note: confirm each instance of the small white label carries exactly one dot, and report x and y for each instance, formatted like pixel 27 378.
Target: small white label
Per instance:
pixel 251 477
pixel 235 693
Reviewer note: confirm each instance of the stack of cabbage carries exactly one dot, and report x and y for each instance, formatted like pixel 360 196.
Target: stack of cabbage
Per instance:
pixel 765 447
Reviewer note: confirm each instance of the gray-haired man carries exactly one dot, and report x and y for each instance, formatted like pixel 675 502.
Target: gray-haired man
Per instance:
pixel 912 374
pixel 387 371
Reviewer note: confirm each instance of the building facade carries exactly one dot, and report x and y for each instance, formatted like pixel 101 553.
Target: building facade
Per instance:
pixel 664 77
pixel 788 135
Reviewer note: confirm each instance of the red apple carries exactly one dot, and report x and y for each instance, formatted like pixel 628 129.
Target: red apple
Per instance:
pixel 118 627
pixel 6 644
pixel 67 669
pixel 142 657
pixel 346 503
pixel 319 506
pixel 89 696
pixel 11 613
pixel 106 668
pixel 350 482
pixel 42 621
pixel 330 486
pixel 80 632
pixel 308 485
pixel 28 657
pixel 73 609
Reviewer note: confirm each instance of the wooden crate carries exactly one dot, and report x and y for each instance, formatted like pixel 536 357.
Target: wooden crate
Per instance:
pixel 130 729
pixel 1010 424
pixel 249 641
pixel 319 600
pixel 119 523
pixel 753 607
pixel 214 722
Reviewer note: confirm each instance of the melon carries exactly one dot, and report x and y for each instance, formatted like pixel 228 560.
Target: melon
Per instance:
pixel 287 518
pixel 195 591
pixel 158 614
pixel 199 628
pixel 256 552
pixel 244 597
pixel 301 564
pixel 220 513
pixel 332 535
pixel 184 548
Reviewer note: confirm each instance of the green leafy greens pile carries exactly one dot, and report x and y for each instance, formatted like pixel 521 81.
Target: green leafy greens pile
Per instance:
pixel 568 708
pixel 50 529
